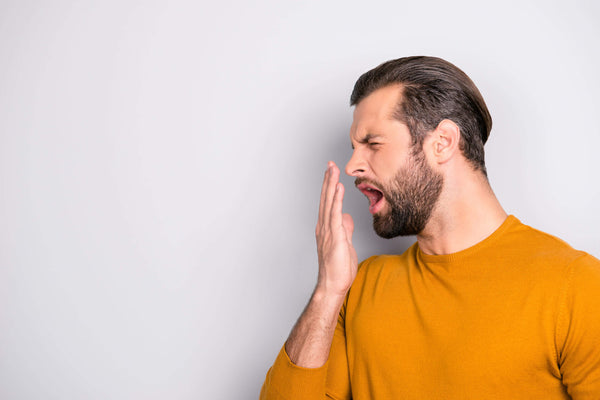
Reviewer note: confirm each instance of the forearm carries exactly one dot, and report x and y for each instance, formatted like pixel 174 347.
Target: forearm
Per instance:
pixel 310 340
pixel 300 370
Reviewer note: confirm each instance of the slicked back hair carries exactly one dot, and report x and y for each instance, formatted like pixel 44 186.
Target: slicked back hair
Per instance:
pixel 433 90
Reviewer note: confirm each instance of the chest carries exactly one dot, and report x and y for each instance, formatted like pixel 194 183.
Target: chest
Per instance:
pixel 447 333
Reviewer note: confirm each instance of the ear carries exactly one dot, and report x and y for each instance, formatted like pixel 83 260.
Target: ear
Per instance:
pixel 443 141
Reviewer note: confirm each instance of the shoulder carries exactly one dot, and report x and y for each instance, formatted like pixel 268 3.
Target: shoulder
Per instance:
pixel 584 275
pixel 379 274
pixel 378 266
pixel 383 261
pixel 578 326
pixel 581 284
pixel 538 246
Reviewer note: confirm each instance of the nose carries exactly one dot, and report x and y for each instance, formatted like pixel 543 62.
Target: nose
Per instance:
pixel 356 165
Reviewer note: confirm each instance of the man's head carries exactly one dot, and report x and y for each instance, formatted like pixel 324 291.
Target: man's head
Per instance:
pixel 399 105
pixel 432 90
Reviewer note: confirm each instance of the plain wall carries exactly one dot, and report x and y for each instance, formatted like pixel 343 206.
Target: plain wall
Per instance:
pixel 161 163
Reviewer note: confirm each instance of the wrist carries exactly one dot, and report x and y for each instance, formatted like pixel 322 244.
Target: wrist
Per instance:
pixel 328 298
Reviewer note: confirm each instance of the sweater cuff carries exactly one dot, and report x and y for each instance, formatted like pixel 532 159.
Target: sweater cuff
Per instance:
pixel 291 381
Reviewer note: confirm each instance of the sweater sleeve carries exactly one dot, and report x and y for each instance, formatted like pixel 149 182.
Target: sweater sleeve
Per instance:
pixel 288 381
pixel 579 330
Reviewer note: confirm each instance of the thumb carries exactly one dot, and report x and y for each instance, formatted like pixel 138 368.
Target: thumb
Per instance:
pixel 348 225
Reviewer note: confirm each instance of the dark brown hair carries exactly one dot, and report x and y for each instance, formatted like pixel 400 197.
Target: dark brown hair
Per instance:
pixel 433 90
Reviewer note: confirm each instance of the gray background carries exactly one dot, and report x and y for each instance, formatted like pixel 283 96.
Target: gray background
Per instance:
pixel 161 163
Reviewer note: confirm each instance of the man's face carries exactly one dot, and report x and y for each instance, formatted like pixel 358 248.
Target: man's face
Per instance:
pixel 402 188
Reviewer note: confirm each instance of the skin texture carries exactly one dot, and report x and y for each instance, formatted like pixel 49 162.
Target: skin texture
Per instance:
pixel 382 151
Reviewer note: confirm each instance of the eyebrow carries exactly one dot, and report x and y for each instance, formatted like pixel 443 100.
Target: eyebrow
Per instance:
pixel 366 138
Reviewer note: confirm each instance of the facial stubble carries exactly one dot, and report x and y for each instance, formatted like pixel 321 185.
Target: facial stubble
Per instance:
pixel 411 197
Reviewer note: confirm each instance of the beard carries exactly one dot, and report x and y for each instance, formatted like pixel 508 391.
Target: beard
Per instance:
pixel 411 196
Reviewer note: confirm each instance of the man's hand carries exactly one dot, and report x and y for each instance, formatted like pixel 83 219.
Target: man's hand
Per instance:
pixel 337 257
pixel 310 341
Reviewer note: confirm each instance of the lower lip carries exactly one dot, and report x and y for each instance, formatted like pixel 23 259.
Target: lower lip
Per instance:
pixel 375 208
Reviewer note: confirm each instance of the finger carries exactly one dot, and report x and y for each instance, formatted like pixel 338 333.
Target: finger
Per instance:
pixel 348 224
pixel 323 194
pixel 336 207
pixel 334 174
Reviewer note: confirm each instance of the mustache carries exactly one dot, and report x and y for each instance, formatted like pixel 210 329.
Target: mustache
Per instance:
pixel 368 181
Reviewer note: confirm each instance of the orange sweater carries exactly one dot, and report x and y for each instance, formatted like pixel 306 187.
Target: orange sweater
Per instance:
pixel 517 316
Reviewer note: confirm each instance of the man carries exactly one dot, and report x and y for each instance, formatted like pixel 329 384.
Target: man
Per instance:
pixel 480 307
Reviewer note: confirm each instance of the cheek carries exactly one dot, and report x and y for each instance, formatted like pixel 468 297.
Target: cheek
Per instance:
pixel 386 165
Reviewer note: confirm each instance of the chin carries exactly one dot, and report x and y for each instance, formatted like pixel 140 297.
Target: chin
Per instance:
pixel 394 224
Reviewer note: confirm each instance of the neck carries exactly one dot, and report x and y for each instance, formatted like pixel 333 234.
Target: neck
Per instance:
pixel 466 213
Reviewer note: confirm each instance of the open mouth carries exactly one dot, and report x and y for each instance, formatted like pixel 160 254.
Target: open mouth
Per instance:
pixel 374 195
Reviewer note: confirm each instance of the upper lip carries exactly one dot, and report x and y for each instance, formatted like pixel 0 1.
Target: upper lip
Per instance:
pixel 365 186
